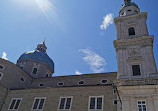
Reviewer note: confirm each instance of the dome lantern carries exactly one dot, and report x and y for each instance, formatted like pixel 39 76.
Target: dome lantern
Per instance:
pixel 41 47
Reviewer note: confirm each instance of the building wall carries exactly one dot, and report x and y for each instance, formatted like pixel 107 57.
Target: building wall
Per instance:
pixel 30 88
pixel 134 49
pixel 79 103
pixel 3 95
pixel 73 80
pixel 12 75
pixel 43 69
pixel 138 21
pixel 131 94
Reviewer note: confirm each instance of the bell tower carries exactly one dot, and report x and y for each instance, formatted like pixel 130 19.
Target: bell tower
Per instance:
pixel 134 45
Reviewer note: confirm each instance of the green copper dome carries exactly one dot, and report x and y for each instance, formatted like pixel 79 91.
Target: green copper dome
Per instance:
pixel 128 3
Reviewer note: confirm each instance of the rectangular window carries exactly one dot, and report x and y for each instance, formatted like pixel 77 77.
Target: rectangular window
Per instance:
pixel 96 102
pixel 92 103
pixel 136 70
pixel 34 71
pixel 141 105
pixel 39 103
pixel 115 101
pixel 114 91
pixel 15 103
pixel 65 103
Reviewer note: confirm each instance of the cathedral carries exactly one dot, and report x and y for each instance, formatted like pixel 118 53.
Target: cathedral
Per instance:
pixel 28 85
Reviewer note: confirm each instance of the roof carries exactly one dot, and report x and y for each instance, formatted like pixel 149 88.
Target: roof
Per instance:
pixel 38 56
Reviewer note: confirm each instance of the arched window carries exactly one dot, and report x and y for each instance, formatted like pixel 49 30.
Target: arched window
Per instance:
pixel 131 31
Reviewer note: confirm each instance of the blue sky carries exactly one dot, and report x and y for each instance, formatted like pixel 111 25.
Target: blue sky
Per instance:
pixel 74 38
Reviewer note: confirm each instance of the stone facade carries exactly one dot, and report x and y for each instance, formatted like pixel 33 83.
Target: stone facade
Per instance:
pixel 50 89
pixel 29 65
pixel 12 76
pixel 138 21
pixel 29 85
pixel 73 81
pixel 135 49
pixel 3 95
pixel 130 95
pixel 137 76
pixel 80 96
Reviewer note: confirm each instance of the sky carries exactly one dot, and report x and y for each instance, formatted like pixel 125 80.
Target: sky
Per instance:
pixel 79 33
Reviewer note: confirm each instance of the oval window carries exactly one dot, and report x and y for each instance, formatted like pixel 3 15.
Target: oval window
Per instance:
pixel 81 82
pixel 60 84
pixel 22 79
pixel 41 85
pixel 104 81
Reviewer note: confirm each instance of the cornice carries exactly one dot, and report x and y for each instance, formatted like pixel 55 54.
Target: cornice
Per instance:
pixel 142 41
pixel 122 18
pixel 137 82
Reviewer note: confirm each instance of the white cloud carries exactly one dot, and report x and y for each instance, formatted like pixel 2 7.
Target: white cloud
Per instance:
pixel 96 62
pixel 77 72
pixel 4 56
pixel 108 19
